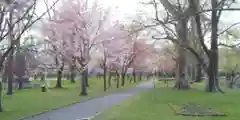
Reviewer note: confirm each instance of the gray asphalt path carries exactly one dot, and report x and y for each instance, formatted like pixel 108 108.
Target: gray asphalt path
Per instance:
pixel 91 107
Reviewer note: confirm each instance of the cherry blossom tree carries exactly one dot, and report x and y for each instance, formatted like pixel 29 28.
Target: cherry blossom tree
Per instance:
pixel 142 54
pixel 74 29
pixel 116 36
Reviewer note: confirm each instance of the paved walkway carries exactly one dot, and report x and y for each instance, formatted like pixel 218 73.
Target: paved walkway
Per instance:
pixel 91 107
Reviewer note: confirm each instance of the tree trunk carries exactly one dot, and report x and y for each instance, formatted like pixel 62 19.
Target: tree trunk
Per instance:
pixel 20 84
pixel 134 75
pixel 199 73
pixel 210 87
pixel 83 83
pixel 72 77
pixel 35 77
pixel 213 84
pixel 105 78
pixel 10 73
pixel 72 73
pixel 59 79
pixel 4 77
pixel 140 77
pixel 109 80
pixel 86 82
pixel 1 108
pixel 181 82
pixel 229 80
pixel 59 76
pixel 123 79
pixel 72 70
pixel 42 76
pixel 10 57
pixel 118 77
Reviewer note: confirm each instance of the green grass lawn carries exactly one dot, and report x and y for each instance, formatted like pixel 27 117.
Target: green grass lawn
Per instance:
pixel 32 101
pixel 153 105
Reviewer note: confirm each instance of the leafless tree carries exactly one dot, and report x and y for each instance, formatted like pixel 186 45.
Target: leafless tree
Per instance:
pixel 16 17
pixel 175 27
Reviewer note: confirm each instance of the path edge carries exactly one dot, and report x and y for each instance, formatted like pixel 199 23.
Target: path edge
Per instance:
pixel 53 109
pixel 67 105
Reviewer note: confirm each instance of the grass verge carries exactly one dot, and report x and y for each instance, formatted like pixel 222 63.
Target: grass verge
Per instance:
pixel 32 101
pixel 153 105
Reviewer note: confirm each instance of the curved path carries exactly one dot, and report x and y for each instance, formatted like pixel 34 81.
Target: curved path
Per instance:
pixel 91 107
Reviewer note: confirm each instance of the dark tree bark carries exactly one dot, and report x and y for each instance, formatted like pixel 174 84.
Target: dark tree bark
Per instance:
pixel 199 73
pixel 1 107
pixel 140 77
pixel 4 77
pixel 35 77
pixel 10 73
pixel 59 76
pixel 230 79
pixel 42 76
pixel 10 58
pixel 86 82
pixel 123 79
pixel 104 66
pixel 134 75
pixel 212 72
pixel 109 80
pixel 105 78
pixel 72 71
pixel 1 89
pixel 118 77
pixel 59 79
pixel 72 77
pixel 20 84
pixel 83 83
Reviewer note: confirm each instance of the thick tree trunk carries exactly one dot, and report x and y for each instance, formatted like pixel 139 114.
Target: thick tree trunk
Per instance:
pixel 123 79
pixel 87 84
pixel 105 78
pixel 210 86
pixel 20 84
pixel 42 76
pixel 199 73
pixel 229 80
pixel 72 74
pixel 72 70
pixel 59 77
pixel 213 84
pixel 109 80
pixel 140 77
pixel 83 83
pixel 1 107
pixel 118 77
pixel 134 75
pixel 181 82
pixel 4 77
pixel 10 73
pixel 72 77
pixel 35 77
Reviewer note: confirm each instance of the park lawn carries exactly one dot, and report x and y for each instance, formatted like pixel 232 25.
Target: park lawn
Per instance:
pixel 32 101
pixel 153 105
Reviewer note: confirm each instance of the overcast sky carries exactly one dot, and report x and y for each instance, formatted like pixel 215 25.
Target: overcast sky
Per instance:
pixel 124 9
